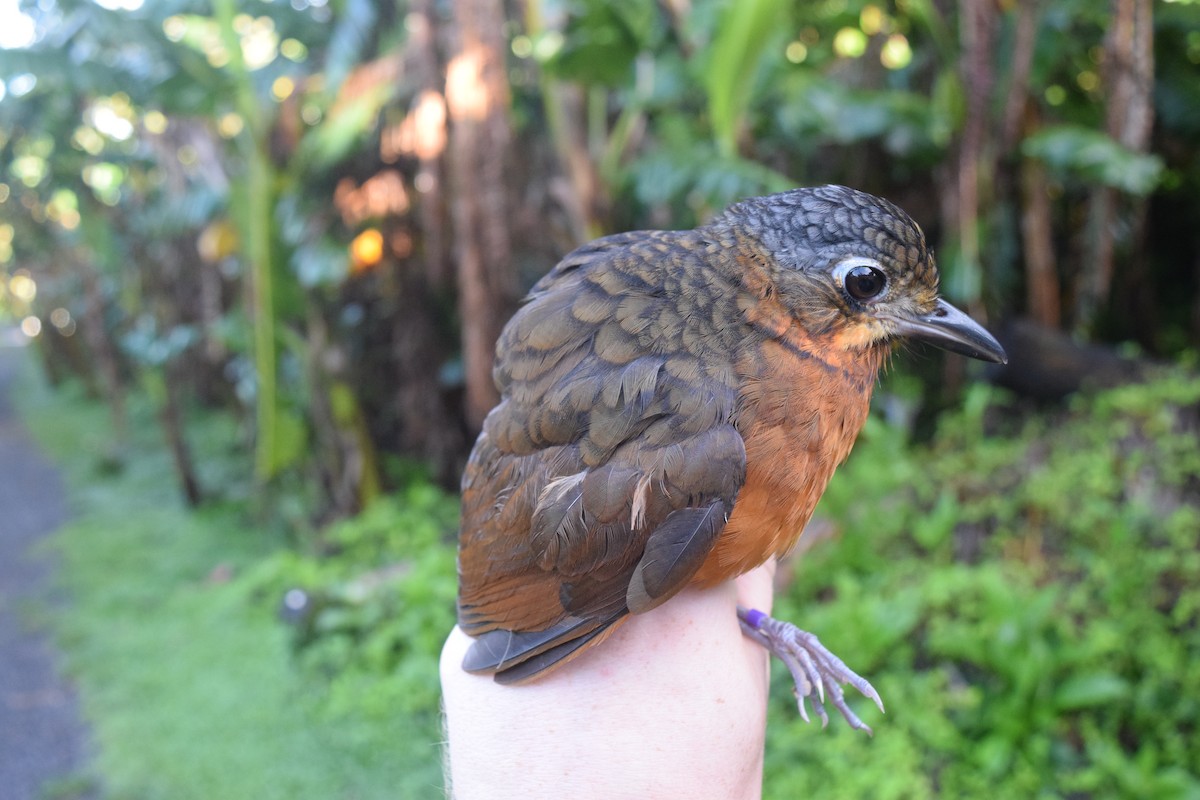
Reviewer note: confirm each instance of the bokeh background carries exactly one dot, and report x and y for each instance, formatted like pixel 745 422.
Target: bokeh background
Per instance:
pixel 258 254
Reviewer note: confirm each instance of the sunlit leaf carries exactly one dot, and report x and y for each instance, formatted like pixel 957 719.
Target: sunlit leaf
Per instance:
pixel 738 50
pixel 949 106
pixel 703 178
pixel 1075 151
pixel 824 110
pixel 1090 690
pixel 291 437
pixel 344 127
pixel 599 43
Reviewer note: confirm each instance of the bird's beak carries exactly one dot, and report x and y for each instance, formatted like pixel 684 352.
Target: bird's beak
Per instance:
pixel 950 329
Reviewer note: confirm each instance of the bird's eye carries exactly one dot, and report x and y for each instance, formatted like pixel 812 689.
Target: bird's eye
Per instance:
pixel 865 283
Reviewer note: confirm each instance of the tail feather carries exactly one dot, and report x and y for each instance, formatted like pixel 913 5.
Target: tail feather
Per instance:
pixel 500 649
pixel 540 663
pixel 516 656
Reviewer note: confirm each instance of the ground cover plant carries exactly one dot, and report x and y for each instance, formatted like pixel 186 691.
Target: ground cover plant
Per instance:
pixel 1027 589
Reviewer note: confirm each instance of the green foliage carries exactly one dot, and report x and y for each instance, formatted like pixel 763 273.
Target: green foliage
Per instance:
pixel 344 130
pixel 741 40
pixel 378 602
pixel 1024 596
pixel 1078 152
pixel 906 124
pixel 601 41
pixel 715 180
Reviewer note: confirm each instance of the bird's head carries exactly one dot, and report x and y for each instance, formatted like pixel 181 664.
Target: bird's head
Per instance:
pixel 855 268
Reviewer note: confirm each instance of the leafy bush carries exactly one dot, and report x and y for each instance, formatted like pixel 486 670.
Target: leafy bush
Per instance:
pixel 371 611
pixel 1026 603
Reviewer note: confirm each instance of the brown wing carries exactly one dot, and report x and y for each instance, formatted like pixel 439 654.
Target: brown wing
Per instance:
pixel 604 476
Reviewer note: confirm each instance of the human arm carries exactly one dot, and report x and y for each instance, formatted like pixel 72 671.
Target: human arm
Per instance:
pixel 673 704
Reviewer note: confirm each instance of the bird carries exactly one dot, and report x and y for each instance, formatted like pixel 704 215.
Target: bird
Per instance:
pixel 672 406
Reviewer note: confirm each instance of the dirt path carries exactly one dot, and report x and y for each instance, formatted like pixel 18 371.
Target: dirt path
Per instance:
pixel 42 737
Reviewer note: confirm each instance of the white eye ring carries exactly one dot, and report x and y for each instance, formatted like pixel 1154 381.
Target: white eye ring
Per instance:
pixel 843 269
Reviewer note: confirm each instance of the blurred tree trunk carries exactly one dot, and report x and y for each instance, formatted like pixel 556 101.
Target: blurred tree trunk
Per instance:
pixel 1031 196
pixel 256 189
pixel 584 198
pixel 977 26
pixel 171 418
pixel 172 279
pixel 1016 104
pixel 104 351
pixel 1043 303
pixel 965 182
pixel 433 427
pixel 1128 74
pixel 477 96
pixel 1043 296
pixel 347 463
pixel 410 290
pixel 428 115
pixel 430 426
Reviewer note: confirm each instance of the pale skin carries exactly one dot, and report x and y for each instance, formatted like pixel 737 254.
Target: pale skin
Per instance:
pixel 671 705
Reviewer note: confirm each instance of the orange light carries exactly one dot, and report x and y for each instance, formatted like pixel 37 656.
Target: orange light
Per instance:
pixel 382 195
pixel 467 94
pixel 366 250
pixel 422 132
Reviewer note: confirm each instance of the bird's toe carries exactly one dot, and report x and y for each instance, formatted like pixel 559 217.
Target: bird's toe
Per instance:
pixel 818 674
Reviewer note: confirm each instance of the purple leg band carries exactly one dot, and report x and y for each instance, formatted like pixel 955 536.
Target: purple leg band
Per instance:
pixel 754 618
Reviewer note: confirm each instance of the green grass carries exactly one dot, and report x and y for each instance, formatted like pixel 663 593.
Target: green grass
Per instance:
pixel 188 679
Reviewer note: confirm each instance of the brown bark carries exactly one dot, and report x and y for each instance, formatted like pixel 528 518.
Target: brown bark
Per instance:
pixel 587 201
pixel 477 96
pixel 1129 116
pixel 347 462
pixel 429 112
pixel 966 179
pixel 1031 192
pixel 976 30
pixel 1037 243
pixel 963 207
pixel 1018 78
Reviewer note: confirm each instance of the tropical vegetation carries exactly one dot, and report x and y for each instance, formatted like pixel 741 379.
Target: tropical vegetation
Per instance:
pixel 262 251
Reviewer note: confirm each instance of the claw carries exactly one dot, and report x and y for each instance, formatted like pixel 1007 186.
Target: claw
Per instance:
pixel 803 708
pixel 814 669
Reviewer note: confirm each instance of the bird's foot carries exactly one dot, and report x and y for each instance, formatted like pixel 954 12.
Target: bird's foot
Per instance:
pixel 815 670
